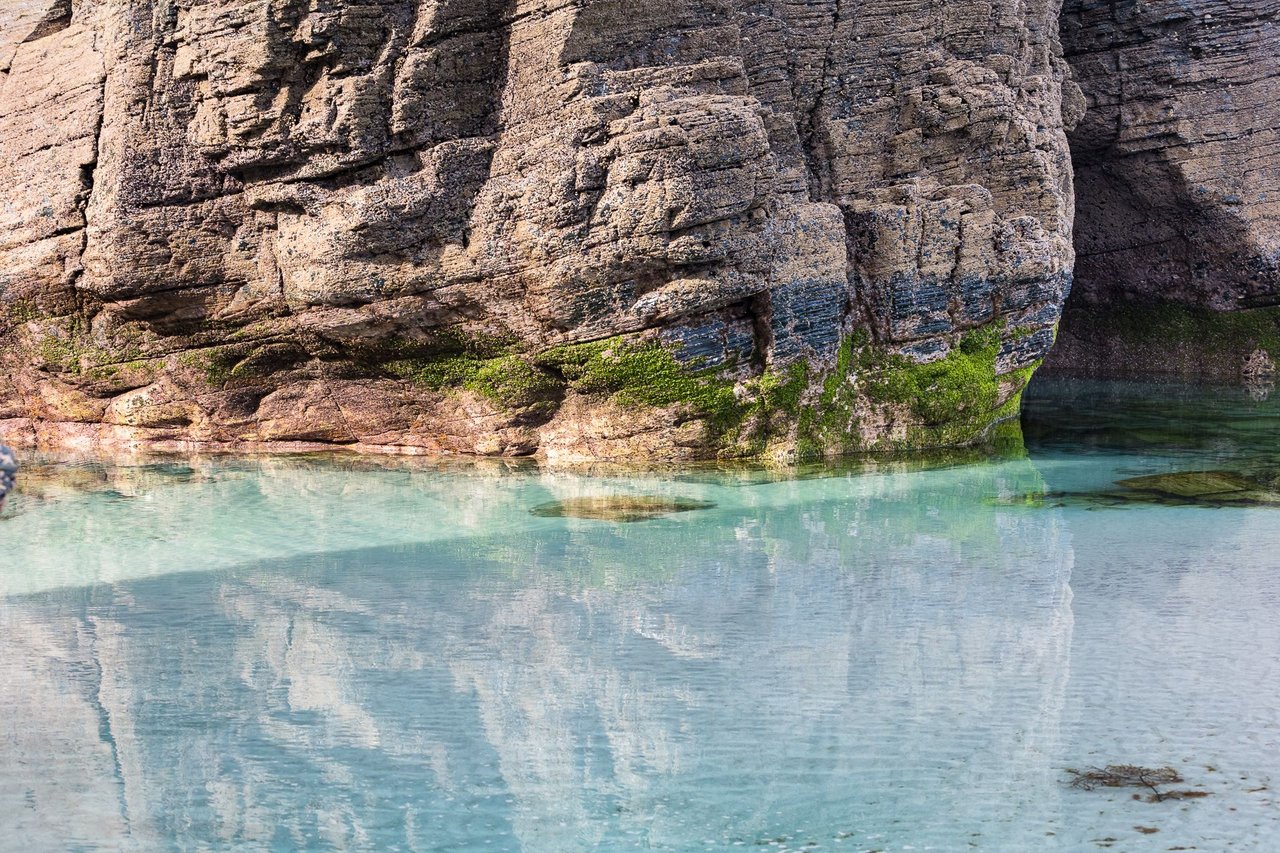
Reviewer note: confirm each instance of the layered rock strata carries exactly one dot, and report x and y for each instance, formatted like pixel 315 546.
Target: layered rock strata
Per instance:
pixel 595 228
pixel 1178 181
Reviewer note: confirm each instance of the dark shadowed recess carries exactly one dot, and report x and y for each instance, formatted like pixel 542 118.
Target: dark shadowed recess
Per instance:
pixel 1177 192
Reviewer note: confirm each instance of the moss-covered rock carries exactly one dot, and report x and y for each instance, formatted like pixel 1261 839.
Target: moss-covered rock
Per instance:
pixel 641 373
pixel 67 345
pixel 514 382
pixel 961 384
pixel 809 410
pixel 486 364
pixel 641 390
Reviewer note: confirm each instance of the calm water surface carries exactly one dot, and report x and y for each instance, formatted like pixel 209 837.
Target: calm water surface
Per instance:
pixel 217 654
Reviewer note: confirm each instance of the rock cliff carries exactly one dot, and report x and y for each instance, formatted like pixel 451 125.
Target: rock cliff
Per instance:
pixel 583 228
pixel 1177 167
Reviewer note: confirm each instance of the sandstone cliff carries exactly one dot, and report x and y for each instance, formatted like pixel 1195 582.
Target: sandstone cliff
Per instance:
pixel 1177 168
pixel 586 228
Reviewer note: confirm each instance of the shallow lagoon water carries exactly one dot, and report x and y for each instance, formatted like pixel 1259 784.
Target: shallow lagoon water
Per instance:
pixel 328 653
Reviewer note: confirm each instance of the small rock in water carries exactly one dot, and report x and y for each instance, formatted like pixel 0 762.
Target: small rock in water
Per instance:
pixel 625 508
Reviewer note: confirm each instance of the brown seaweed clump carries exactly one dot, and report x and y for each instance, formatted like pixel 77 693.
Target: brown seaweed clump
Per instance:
pixel 622 508
pixel 1133 776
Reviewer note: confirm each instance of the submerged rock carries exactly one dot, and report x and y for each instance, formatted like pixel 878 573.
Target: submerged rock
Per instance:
pixel 625 508
pixel 1180 488
pixel 1211 488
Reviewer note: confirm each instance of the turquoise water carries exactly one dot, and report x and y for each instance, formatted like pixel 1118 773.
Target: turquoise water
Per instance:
pixel 327 653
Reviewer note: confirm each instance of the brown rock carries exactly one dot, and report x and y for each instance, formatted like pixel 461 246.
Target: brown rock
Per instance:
pixel 325 222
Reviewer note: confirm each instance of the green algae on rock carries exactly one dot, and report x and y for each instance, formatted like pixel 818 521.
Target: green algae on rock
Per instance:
pixel 623 508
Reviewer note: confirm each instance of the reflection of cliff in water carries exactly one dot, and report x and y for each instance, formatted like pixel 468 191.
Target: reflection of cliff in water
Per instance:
pixel 778 667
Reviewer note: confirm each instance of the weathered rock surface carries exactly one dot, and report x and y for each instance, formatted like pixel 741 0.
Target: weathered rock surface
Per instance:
pixel 594 228
pixel 1178 181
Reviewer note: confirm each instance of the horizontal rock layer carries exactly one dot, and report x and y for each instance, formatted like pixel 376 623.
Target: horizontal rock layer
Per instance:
pixel 581 228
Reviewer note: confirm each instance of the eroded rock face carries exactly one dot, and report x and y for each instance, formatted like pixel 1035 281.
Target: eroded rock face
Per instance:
pixel 655 228
pixel 1178 180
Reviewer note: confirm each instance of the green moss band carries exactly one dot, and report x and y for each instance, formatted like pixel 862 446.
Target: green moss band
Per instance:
pixel 803 410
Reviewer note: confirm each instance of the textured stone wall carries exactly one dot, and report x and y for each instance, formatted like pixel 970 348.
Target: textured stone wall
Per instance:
pixel 594 228
pixel 1178 181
